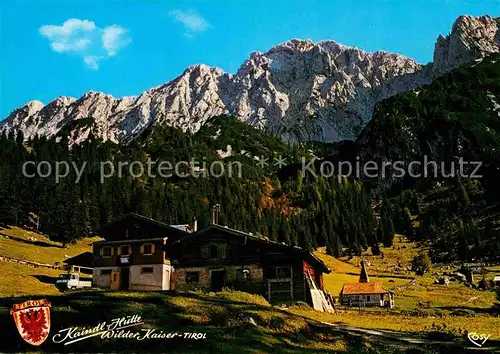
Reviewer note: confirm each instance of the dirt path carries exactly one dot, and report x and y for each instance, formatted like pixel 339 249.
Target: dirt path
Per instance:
pixel 395 337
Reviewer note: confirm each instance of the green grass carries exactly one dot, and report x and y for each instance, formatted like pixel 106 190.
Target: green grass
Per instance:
pixel 421 307
pixel 222 316
pixel 423 292
pixel 454 295
pixel 346 270
pixel 43 250
pixel 17 279
pixel 417 322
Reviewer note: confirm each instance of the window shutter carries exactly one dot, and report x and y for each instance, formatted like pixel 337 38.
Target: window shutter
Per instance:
pixel 204 251
pixel 118 251
pixel 142 249
pixel 101 251
pixel 222 250
pixel 152 248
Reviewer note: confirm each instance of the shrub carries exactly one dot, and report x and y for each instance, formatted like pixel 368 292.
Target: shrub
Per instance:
pixel 422 263
pixel 443 332
pixel 241 296
pixel 276 323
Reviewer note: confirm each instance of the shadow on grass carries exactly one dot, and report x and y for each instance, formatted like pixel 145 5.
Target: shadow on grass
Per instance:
pixel 45 279
pixel 476 310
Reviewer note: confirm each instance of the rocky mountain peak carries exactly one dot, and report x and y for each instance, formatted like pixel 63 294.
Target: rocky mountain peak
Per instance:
pixel 294 45
pixel 30 108
pixel 470 38
pixel 33 106
pixel 298 89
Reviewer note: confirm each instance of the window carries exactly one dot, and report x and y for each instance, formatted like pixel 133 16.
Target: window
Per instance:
pixel 147 249
pixel 105 271
pixel 246 275
pixel 147 270
pixel 115 277
pixel 368 298
pixel 214 251
pixel 283 272
pixel 192 277
pixel 107 251
pixel 278 272
pixel 124 250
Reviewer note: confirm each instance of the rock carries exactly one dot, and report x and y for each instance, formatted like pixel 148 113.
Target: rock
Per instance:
pixel 442 281
pixel 251 321
pixel 298 90
pixel 470 38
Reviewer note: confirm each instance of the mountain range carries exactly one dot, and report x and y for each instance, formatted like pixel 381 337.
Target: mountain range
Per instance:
pixel 298 90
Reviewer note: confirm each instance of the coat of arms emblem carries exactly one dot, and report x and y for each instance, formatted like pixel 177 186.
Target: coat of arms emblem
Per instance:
pixel 32 320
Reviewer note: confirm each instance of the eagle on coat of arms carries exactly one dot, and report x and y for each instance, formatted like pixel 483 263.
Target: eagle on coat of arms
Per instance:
pixel 32 320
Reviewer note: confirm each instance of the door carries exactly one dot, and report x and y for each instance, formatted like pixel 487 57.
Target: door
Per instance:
pixel 166 281
pixel 218 280
pixel 124 278
pixel 115 281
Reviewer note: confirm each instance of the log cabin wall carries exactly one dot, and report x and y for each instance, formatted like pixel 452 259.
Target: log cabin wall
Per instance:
pixel 248 264
pixel 148 251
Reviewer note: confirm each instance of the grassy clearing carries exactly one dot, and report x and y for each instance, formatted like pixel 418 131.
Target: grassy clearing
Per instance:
pixel 346 270
pixel 402 254
pixel 426 294
pixel 23 244
pixel 423 307
pixel 422 322
pixel 423 294
pixel 17 279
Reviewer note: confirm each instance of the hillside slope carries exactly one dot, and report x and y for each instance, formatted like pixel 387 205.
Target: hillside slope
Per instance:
pixel 450 132
pixel 17 244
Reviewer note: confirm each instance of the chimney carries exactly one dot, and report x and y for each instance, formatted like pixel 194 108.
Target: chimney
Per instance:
pixel 195 225
pixel 363 276
pixel 215 214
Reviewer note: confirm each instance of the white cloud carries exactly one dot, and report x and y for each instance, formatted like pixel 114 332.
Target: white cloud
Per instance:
pixel 83 38
pixel 68 28
pixel 92 61
pixel 113 38
pixel 192 22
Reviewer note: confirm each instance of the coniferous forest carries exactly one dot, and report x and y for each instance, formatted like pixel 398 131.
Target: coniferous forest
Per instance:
pixel 458 218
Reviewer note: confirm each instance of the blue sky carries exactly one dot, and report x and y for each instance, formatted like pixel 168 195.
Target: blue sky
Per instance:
pixel 51 48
